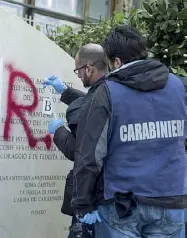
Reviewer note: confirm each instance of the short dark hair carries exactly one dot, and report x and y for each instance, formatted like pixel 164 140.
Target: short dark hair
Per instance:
pixel 95 55
pixel 125 43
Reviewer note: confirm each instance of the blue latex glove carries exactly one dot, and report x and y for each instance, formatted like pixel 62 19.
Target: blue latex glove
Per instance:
pixel 56 83
pixel 91 218
pixel 54 125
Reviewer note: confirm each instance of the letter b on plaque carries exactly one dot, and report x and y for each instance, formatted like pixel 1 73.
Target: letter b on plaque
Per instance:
pixel 47 106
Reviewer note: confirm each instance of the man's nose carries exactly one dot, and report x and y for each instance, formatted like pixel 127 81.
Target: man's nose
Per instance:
pixel 79 76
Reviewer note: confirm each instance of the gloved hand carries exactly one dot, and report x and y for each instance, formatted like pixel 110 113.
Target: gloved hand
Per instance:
pixel 56 83
pixel 54 125
pixel 91 218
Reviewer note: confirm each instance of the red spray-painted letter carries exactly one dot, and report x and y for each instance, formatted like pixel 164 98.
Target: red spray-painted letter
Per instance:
pixel 17 109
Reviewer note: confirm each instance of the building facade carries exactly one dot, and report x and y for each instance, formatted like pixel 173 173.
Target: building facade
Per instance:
pixel 71 12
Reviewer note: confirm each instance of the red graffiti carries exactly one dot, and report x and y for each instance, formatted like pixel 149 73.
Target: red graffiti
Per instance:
pixel 14 108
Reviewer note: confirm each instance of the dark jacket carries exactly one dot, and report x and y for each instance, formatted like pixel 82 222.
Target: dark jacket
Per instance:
pixel 92 132
pixel 65 139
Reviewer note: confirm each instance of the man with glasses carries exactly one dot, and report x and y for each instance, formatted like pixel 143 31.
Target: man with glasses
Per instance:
pixel 90 67
pixel 131 127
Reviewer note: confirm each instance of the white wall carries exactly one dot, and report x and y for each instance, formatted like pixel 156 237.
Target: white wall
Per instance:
pixel 30 54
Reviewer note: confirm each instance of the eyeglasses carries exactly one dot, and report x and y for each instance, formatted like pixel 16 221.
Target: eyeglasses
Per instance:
pixel 84 66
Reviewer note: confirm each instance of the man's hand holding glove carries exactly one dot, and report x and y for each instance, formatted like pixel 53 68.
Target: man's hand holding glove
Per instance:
pixel 54 125
pixel 91 218
pixel 56 83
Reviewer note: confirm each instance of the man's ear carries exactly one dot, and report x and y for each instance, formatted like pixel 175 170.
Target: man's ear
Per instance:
pixel 89 69
pixel 117 63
